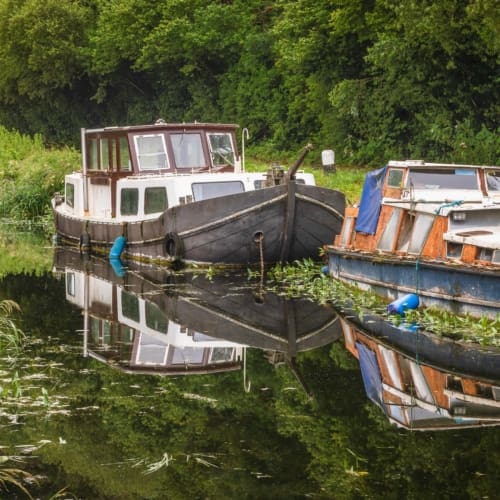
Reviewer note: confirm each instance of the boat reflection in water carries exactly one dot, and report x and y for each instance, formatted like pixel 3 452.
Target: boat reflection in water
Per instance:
pixel 423 382
pixel 151 320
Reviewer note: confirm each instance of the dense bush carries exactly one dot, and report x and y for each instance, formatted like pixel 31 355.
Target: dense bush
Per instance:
pixel 374 79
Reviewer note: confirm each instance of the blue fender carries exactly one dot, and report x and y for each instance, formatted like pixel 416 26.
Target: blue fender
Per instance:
pixel 118 247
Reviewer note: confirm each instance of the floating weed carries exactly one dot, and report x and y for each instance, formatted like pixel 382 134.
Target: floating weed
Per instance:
pixel 305 279
pixel 164 462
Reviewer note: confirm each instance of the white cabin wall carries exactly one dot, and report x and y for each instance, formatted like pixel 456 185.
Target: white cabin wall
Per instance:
pixel 100 291
pixel 99 200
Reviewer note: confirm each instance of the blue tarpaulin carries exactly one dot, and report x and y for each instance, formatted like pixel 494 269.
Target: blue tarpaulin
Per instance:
pixel 370 373
pixel 369 207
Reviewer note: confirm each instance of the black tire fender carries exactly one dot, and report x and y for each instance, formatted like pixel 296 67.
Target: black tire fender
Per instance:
pixel 174 246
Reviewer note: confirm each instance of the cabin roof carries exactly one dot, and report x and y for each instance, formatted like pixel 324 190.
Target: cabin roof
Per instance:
pixel 430 166
pixel 161 126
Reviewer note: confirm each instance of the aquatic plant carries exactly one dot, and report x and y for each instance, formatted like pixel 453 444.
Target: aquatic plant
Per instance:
pixel 306 279
pixel 11 336
pixel 14 477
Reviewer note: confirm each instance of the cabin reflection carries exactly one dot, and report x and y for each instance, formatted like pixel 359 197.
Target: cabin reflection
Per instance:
pixel 132 333
pixel 416 393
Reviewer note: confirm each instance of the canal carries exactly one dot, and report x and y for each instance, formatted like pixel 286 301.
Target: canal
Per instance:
pixel 139 383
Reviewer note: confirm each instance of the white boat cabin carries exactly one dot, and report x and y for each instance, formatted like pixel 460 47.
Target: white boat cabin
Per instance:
pixel 136 173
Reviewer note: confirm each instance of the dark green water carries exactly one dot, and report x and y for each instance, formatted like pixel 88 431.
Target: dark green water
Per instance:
pixel 83 412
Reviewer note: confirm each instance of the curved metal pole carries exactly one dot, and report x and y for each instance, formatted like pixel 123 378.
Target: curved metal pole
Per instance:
pixel 244 133
pixel 293 169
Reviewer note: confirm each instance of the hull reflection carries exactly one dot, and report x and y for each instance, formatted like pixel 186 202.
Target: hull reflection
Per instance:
pixel 146 319
pixel 422 382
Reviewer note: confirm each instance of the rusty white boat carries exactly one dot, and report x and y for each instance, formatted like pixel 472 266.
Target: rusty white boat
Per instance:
pixel 179 192
pixel 427 229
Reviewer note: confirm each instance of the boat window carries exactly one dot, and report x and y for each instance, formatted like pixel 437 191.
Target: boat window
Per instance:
pixel 207 190
pixel 493 180
pixel 443 179
pixel 151 152
pixel 394 177
pixel 70 284
pixel 70 194
pixel 104 154
pixel 129 201
pixel 405 232
pixel 485 254
pixel 155 319
pixel 188 150
pixel 130 306
pixel 421 228
pixel 92 152
pixel 124 155
pixel 345 238
pixel 496 257
pixel 453 250
pixel 221 354
pixel 155 200
pixel 188 355
pixel 151 351
pixel 221 149
pixel 388 238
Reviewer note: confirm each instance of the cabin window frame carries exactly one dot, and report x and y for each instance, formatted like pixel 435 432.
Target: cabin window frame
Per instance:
pixel 179 154
pixel 176 356
pixel 213 153
pixel 129 190
pixel 390 234
pixel 130 306
pixel 195 185
pixel 390 183
pixel 214 355
pixel 420 232
pixel 454 250
pixel 69 194
pixel 143 156
pixel 148 200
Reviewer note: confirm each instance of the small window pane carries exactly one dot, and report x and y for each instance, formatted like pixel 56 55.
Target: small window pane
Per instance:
pixel 389 235
pixel 104 154
pixel 70 284
pixel 155 319
pixel 221 355
pixel 70 194
pixel 207 190
pixel 155 200
pixel 221 149
pixel 394 178
pixel 493 180
pixel 93 163
pixel 453 250
pixel 129 201
pixel 346 233
pixel 188 150
pixel 124 155
pixel 188 355
pixel 130 307
pixel 151 152
pixel 423 224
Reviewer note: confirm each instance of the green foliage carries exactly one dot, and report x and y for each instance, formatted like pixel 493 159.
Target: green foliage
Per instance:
pixel 11 336
pixel 30 174
pixel 374 80
pixel 305 279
